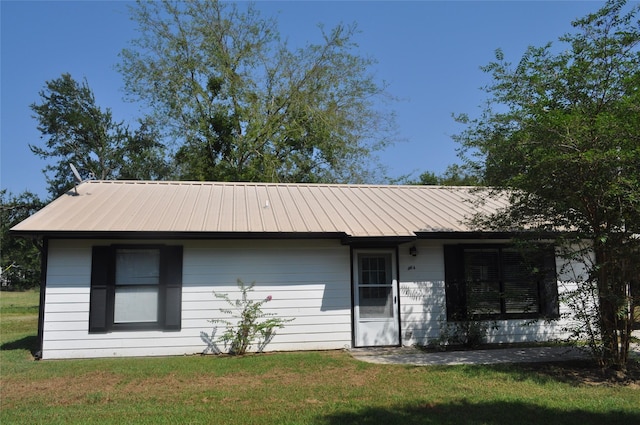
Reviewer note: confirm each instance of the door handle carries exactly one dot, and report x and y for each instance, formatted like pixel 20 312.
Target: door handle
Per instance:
pixel 395 301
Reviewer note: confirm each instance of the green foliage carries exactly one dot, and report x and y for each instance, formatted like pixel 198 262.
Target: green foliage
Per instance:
pixel 78 131
pixel 429 178
pixel 466 333
pixel 244 106
pixel 454 175
pixel 469 331
pixel 583 317
pixel 251 324
pixel 20 257
pixel 561 133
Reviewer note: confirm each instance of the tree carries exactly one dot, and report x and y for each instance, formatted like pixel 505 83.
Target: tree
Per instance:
pixel 80 132
pixel 561 133
pixel 454 175
pixel 429 178
pixel 243 106
pixel 20 258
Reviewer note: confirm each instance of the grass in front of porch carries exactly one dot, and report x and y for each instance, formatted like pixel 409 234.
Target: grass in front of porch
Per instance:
pixel 318 388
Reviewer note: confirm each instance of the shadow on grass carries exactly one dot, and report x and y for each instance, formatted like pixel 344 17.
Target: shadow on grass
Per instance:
pixel 27 343
pixel 463 412
pixel 574 372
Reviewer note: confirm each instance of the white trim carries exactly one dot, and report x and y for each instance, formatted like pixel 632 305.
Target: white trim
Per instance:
pixel 382 331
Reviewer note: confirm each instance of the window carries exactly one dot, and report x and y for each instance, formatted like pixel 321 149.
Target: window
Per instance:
pixel 135 287
pixel 497 281
pixel 375 286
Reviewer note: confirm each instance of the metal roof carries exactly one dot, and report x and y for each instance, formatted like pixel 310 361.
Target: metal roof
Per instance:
pixel 258 208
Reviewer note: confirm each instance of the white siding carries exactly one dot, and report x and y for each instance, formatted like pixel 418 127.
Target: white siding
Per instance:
pixel 309 281
pixel 422 296
pixel 423 302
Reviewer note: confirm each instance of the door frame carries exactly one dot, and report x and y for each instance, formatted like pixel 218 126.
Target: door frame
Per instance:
pixel 396 340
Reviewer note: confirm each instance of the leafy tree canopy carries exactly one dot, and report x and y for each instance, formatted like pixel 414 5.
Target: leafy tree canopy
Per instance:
pixel 78 131
pixel 562 132
pixel 454 175
pixel 244 106
pixel 20 258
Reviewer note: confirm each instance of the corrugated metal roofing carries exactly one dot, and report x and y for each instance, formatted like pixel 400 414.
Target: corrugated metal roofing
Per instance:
pixel 214 207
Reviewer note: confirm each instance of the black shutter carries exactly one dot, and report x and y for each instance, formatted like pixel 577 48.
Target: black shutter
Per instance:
pixel 550 304
pixel 454 283
pixel 99 306
pixel 172 276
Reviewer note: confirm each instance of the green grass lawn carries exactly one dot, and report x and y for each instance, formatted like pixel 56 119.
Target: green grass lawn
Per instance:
pixel 322 388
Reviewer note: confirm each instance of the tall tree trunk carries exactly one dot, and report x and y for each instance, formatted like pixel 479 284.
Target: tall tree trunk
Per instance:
pixel 614 299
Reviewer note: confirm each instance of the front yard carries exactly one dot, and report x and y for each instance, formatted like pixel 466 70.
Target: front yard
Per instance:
pixel 320 388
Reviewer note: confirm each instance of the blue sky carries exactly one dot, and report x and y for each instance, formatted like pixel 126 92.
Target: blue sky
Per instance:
pixel 429 53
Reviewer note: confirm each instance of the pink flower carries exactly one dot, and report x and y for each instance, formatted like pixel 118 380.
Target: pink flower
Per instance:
pixel 269 298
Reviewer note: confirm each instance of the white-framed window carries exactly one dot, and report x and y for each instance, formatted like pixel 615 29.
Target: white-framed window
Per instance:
pixel 375 287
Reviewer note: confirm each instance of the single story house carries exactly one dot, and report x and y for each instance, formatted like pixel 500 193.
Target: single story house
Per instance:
pixel 130 267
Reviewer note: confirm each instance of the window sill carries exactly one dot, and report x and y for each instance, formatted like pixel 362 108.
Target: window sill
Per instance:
pixel 135 327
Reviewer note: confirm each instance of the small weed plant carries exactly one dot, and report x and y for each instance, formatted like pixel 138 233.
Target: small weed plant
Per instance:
pixel 251 324
pixel 470 333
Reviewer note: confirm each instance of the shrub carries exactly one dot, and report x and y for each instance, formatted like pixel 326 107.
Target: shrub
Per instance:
pixel 251 326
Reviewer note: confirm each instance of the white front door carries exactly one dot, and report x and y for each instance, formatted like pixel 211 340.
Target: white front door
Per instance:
pixel 375 289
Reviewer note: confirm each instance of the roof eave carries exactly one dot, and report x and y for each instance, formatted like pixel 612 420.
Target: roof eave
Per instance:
pixel 344 237
pixel 376 241
pixel 486 235
pixel 92 234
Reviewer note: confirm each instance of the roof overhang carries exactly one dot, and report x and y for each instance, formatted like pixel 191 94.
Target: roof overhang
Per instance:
pixel 345 238
pixel 177 235
pixel 376 242
pixel 487 235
